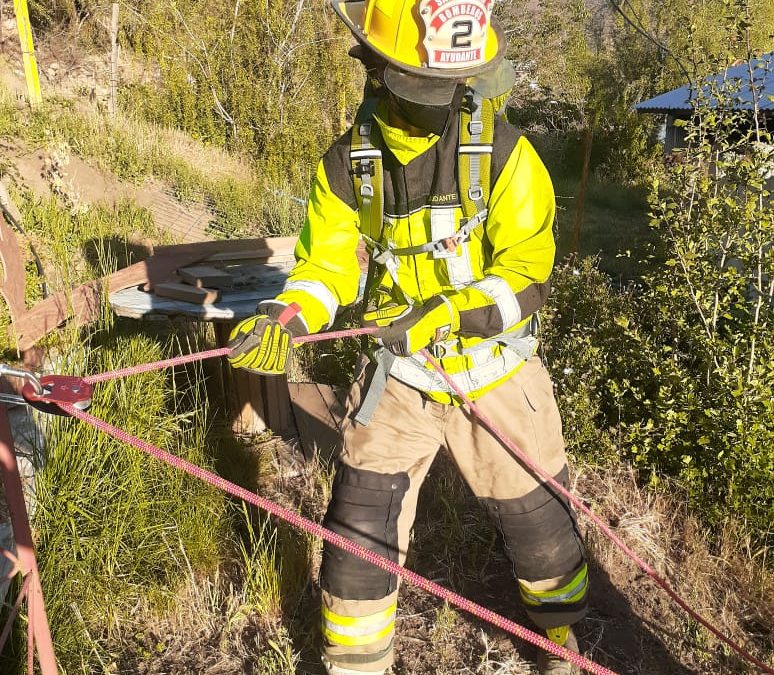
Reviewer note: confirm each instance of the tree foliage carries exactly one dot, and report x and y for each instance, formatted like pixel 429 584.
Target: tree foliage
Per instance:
pixel 583 64
pixel 676 374
pixel 270 79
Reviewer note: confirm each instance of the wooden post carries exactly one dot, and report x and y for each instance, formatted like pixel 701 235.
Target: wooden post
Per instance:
pixel 114 60
pixel 28 52
pixel 580 205
pixel 244 392
pixel 38 632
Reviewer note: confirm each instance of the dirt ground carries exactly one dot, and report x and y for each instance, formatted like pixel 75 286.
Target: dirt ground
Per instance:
pixel 67 73
pixel 632 627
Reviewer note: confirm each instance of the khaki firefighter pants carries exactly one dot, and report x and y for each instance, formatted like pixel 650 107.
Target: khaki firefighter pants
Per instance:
pixel 383 465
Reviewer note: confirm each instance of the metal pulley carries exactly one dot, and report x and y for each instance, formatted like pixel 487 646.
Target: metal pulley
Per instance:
pixel 46 393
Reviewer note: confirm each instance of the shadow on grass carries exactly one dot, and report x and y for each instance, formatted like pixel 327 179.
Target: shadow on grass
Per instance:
pixel 115 252
pixel 615 226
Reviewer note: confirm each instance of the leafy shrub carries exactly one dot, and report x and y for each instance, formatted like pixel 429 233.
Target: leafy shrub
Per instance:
pixel 676 373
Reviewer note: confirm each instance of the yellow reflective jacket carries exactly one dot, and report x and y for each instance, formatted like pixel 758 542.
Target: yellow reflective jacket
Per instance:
pixel 496 280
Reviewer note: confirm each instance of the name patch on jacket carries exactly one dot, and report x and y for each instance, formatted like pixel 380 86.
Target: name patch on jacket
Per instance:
pixel 451 198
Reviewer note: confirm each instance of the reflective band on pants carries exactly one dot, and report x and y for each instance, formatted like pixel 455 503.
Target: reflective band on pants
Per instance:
pixel 358 630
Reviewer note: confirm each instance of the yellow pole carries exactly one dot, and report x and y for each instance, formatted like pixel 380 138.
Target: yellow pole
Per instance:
pixel 28 51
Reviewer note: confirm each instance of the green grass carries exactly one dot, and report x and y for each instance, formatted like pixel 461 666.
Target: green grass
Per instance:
pixel 245 203
pixel 615 224
pixel 114 526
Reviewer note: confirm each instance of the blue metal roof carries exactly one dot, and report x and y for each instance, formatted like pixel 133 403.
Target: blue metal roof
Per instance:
pixel 735 80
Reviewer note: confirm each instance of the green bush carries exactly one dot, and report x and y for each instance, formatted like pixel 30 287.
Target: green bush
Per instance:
pixel 676 372
pixel 273 81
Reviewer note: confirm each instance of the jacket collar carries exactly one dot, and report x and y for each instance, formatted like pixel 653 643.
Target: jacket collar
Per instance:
pixel 400 142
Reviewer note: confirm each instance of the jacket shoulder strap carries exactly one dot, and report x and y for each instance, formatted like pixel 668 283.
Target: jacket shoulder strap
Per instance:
pixel 477 121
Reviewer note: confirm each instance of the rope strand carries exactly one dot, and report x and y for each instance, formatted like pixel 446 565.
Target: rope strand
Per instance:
pixel 337 540
pixel 459 601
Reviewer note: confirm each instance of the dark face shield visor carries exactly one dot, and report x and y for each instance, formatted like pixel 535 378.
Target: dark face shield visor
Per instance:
pixel 439 91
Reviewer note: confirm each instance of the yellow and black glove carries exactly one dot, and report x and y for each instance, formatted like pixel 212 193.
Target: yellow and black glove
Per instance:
pixel 406 329
pixel 261 344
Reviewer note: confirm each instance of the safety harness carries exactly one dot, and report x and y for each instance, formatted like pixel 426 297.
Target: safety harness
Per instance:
pixel 474 157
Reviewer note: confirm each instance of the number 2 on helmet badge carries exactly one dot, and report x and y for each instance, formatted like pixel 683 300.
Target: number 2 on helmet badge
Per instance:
pixel 455 31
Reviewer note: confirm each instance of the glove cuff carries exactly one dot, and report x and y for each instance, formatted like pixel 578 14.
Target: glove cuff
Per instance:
pixel 274 309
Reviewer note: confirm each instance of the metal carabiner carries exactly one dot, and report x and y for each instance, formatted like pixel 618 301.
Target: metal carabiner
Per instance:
pixel 31 378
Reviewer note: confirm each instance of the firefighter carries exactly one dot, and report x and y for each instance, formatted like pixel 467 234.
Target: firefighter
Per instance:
pixel 456 210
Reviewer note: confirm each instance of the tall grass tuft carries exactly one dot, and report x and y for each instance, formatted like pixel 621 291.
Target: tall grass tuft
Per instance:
pixel 110 521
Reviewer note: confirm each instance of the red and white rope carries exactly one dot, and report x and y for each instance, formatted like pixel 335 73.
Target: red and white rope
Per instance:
pixel 377 560
pixel 337 540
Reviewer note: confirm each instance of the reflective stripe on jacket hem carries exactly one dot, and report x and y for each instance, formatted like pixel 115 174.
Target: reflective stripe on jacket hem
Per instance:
pixel 486 369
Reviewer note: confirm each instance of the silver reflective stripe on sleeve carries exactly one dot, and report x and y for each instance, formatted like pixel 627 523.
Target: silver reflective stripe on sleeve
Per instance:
pixel 498 289
pixel 319 292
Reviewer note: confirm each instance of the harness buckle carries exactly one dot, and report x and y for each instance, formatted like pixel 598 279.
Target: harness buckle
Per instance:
pixel 56 389
pixel 475 192
pixel 364 129
pixel 365 167
pixel 366 190
pixel 475 127
pixel 382 256
pixel 437 349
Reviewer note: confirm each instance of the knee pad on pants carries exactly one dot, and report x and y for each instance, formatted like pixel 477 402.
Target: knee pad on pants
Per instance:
pixel 364 508
pixel 540 532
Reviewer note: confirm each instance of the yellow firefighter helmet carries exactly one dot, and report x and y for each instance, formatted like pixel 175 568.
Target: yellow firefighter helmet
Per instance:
pixel 431 45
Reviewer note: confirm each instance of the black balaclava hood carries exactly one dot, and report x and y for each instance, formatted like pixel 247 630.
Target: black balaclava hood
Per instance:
pixel 429 117
pixel 433 118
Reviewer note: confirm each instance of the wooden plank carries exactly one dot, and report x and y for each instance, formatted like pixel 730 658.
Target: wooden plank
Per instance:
pixel 187 293
pixel 233 304
pixel 249 255
pixel 82 304
pixel 263 247
pixel 247 413
pixel 318 412
pixel 203 276
pixel 13 284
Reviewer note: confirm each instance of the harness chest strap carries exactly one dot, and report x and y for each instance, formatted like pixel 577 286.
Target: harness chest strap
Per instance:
pixel 476 136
